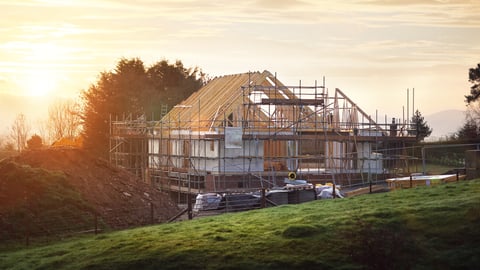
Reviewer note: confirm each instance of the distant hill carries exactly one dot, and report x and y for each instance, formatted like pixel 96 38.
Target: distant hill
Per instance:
pixel 445 122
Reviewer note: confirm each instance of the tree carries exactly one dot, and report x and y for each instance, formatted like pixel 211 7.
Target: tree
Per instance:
pixel 42 130
pixel 474 78
pixel 471 128
pixel 35 142
pixel 64 119
pixel 468 132
pixel 171 84
pixel 19 132
pixel 7 148
pixel 419 126
pixel 134 90
pixel 473 112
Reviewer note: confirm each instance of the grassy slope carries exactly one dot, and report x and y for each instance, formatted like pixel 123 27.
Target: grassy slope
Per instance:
pixel 431 228
pixel 42 201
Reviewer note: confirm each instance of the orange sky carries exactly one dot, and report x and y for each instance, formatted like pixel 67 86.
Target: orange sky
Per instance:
pixel 371 49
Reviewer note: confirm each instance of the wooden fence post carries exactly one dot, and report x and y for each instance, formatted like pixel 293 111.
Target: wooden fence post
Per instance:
pixel 151 213
pixel 189 206
pixel 27 236
pixel 263 201
pixel 28 221
pixel 96 222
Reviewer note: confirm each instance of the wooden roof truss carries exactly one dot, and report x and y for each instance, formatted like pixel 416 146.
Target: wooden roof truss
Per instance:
pixel 258 101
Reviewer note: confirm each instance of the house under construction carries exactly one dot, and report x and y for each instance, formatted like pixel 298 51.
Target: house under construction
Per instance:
pixel 250 131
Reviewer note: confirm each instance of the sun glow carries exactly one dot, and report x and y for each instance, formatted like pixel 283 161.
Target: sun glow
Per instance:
pixel 40 83
pixel 40 76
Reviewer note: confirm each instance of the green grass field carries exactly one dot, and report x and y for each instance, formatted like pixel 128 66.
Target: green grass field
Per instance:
pixel 421 228
pixel 432 168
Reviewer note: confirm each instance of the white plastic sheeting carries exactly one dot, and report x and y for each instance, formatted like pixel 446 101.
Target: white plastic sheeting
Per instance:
pixel 326 192
pixel 207 201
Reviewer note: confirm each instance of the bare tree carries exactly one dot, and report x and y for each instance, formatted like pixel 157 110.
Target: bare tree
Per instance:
pixel 470 129
pixel 2 146
pixel 42 127
pixel 64 119
pixel 19 132
pixel 473 113
pixel 7 148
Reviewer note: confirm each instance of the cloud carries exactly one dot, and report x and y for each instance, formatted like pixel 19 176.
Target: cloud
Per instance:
pixel 279 4
pixel 412 2
pixel 344 38
pixel 431 13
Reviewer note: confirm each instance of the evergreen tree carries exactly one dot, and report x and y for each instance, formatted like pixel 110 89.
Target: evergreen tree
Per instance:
pixel 419 127
pixel 468 132
pixel 35 142
pixel 474 78
pixel 131 88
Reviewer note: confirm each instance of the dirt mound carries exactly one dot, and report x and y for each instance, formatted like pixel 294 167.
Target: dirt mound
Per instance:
pixel 119 198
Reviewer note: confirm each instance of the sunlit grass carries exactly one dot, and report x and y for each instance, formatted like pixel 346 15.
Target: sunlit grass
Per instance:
pixel 428 227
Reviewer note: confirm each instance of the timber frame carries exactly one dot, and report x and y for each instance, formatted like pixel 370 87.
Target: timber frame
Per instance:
pixel 248 131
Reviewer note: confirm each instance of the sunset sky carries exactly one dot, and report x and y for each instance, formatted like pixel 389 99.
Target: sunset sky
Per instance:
pixel 371 49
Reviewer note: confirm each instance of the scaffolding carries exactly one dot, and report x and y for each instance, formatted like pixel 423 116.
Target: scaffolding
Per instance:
pixel 249 131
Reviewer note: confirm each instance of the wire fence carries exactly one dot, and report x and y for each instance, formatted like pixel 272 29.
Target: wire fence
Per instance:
pixel 29 227
pixel 24 228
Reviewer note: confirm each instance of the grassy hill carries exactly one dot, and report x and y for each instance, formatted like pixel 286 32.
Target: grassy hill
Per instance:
pixel 421 228
pixel 56 191
pixel 40 201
